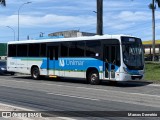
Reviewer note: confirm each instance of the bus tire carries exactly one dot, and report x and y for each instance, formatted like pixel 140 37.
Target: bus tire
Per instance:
pixel 35 73
pixel 113 83
pixel 12 73
pixel 93 77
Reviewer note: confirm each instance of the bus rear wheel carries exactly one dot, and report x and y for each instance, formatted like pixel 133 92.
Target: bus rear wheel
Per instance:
pixel 93 77
pixel 35 73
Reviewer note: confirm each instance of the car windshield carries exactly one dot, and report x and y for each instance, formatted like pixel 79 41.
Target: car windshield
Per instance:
pixel 2 63
pixel 133 53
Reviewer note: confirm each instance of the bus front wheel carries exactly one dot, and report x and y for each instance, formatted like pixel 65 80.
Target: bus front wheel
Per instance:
pixel 93 77
pixel 35 73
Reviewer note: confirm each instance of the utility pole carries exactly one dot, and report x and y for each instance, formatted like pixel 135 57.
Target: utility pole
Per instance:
pixel 153 28
pixel 99 17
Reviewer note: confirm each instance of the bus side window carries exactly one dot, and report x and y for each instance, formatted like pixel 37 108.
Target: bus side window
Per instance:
pixel 34 50
pixel 51 54
pixel 56 53
pixel 64 49
pixel 43 50
pixel 118 61
pixel 93 48
pixel 12 50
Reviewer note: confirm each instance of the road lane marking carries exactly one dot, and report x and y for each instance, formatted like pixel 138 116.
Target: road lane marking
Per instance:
pixel 119 92
pixel 73 96
pixel 117 100
pixel 154 85
pixel 15 107
pixel 113 91
pixel 88 88
pixel 66 118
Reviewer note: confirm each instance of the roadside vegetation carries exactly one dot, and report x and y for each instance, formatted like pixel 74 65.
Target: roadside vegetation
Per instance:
pixel 152 72
pixel 150 42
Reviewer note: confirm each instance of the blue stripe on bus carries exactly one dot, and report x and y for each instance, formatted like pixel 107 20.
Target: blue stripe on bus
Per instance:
pixel 78 64
pixel 70 64
pixel 75 64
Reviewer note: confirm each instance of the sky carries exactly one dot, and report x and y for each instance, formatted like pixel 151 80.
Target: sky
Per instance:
pixel 131 17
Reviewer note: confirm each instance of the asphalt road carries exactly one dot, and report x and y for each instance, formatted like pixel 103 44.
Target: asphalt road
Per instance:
pixel 75 95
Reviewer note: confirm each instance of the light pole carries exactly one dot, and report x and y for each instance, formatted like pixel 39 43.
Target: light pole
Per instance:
pixel 18 15
pixel 99 13
pixel 99 17
pixel 12 30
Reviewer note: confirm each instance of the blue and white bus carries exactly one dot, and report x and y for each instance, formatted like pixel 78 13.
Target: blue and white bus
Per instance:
pixel 95 58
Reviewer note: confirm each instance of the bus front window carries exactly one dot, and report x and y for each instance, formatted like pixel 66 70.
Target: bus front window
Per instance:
pixel 133 54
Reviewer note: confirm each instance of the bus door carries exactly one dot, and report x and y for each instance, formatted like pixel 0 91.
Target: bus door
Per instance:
pixel 52 57
pixel 110 59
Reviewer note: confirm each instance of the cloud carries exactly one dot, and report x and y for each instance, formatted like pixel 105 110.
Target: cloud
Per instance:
pixel 129 16
pixel 23 1
pixel 50 20
pixel 123 20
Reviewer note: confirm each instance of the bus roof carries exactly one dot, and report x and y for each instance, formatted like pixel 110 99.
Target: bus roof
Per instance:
pixel 70 39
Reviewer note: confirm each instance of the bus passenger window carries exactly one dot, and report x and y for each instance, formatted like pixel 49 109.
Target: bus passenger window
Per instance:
pixel 92 48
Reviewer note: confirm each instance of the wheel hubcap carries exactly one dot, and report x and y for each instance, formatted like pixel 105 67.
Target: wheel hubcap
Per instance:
pixel 94 77
pixel 35 73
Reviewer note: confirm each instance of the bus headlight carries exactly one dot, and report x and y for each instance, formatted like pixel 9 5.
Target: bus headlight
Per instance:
pixel 141 72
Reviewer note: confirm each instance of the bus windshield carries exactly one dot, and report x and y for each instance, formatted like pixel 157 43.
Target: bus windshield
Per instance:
pixel 132 53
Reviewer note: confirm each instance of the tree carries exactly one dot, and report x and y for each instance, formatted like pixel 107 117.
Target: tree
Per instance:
pixel 3 2
pixel 152 6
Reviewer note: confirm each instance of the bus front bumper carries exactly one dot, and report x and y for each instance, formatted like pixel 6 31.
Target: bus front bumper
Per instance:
pixel 128 77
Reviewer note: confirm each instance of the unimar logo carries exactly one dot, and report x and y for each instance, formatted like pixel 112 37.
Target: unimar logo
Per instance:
pixel 63 63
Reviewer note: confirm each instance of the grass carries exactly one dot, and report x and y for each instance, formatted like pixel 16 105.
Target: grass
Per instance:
pixel 150 42
pixel 152 69
pixel 152 72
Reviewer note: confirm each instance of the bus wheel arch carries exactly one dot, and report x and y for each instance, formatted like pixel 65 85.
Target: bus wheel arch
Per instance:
pixel 92 76
pixel 35 73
